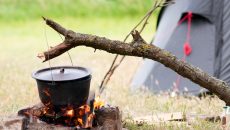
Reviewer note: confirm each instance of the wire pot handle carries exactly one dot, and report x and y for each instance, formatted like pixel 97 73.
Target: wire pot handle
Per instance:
pixel 48 47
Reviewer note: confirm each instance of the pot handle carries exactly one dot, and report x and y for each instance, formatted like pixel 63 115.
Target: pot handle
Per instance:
pixel 47 43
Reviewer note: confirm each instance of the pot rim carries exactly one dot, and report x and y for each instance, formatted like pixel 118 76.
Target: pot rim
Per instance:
pixel 87 70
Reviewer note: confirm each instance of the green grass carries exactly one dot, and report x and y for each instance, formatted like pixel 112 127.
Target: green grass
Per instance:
pixel 198 125
pixel 22 38
pixel 20 10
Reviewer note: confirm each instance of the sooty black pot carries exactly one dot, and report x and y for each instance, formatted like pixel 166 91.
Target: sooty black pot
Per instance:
pixel 63 86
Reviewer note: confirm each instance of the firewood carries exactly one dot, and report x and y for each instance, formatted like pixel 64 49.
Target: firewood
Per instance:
pixel 12 122
pixel 108 118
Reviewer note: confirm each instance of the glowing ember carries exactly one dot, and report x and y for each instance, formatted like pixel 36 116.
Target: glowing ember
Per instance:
pixel 84 109
pixel 70 113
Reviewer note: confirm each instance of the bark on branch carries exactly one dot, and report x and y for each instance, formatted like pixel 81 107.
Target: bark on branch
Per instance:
pixel 137 48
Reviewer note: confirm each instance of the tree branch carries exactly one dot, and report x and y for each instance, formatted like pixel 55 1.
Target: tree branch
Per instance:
pixel 56 26
pixel 139 49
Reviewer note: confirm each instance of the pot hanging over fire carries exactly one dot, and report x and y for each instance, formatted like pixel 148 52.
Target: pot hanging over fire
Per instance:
pixel 63 86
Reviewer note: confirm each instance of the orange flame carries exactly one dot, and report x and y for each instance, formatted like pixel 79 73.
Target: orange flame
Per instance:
pixel 80 121
pixel 81 117
pixel 85 108
pixel 98 103
pixel 90 118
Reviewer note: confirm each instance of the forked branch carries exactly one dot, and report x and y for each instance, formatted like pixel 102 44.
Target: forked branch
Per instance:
pixel 137 48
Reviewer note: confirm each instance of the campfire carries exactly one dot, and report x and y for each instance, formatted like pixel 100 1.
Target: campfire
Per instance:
pixel 70 116
pixel 92 116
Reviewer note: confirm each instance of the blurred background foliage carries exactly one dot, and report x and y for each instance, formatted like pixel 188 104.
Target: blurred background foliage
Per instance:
pixel 20 10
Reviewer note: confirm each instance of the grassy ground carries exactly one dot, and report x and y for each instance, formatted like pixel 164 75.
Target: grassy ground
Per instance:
pixel 22 37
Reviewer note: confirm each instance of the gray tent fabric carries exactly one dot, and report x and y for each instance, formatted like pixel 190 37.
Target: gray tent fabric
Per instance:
pixel 207 44
pixel 224 72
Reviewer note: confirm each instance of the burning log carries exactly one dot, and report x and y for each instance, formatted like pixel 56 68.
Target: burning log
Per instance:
pixel 12 122
pixel 106 118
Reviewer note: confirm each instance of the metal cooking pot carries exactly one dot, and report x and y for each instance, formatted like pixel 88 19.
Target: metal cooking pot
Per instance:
pixel 63 86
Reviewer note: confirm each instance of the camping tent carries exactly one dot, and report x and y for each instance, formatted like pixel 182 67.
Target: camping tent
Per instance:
pixel 198 32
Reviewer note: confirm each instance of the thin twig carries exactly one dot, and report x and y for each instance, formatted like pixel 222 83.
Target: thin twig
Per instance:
pixel 113 67
pixel 108 72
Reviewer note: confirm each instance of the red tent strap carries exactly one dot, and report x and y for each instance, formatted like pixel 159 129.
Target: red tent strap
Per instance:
pixel 187 47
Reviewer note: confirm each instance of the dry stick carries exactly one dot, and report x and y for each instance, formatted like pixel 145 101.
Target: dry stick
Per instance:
pixel 112 68
pixel 137 48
